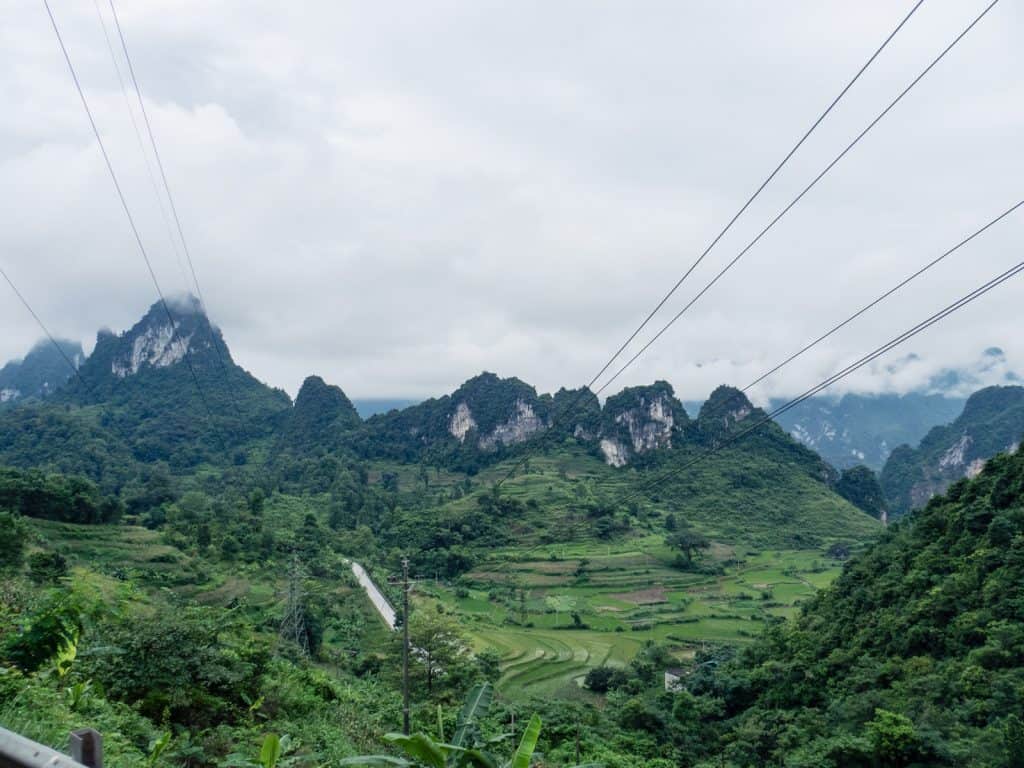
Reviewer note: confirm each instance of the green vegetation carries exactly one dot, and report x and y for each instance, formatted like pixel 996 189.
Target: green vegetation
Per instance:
pixel 859 486
pixel 914 657
pixel 188 591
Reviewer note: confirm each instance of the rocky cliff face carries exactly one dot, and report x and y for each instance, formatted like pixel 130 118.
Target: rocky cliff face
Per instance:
pixel 992 422
pixel 493 412
pixel 639 420
pixel 522 425
pixel 155 343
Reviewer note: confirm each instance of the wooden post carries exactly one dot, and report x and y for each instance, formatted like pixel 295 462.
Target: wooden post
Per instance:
pixel 87 747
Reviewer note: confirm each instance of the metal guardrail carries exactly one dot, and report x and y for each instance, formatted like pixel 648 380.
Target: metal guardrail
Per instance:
pixel 18 752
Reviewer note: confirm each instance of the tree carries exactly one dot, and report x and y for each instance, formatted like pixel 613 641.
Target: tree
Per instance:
pixel 1013 741
pixel 893 737
pixel 440 650
pixel 688 542
pixel 560 604
pixel 599 679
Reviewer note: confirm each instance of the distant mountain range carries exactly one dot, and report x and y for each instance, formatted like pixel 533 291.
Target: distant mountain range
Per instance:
pixel 864 429
pixel 136 405
pixel 145 379
pixel 992 422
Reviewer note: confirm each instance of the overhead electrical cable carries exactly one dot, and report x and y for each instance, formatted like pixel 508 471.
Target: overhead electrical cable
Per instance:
pixel 170 200
pixel 128 214
pixel 142 147
pixel 42 325
pixel 838 376
pixel 870 305
pixel 582 393
pixel 799 197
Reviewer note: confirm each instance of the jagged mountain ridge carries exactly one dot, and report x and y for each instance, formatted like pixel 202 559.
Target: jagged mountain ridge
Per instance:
pixel 143 378
pixel 42 371
pixel 135 417
pixel 992 421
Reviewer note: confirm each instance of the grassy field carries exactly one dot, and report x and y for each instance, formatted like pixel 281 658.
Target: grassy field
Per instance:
pixel 553 618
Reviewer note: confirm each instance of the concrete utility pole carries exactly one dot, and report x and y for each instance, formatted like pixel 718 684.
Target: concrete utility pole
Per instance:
pixel 405 645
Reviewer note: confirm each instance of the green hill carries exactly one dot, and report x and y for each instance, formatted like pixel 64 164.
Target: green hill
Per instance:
pixel 915 656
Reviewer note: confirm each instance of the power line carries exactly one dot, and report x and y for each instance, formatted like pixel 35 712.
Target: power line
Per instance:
pixel 42 325
pixel 725 229
pixel 839 375
pixel 800 196
pixel 142 146
pixel 128 214
pixel 873 303
pixel 170 199
pixel 758 191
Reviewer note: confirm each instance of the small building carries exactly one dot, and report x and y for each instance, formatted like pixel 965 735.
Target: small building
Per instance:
pixel 674 678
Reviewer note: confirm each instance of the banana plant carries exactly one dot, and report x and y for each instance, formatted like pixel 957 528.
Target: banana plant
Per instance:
pixel 466 749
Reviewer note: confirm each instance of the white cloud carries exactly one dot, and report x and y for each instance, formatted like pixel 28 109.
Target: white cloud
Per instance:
pixel 398 196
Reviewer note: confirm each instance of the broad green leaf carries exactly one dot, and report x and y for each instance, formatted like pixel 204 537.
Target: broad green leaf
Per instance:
pixel 475 708
pixel 376 761
pixel 528 744
pixel 421 747
pixel 270 753
pixel 477 759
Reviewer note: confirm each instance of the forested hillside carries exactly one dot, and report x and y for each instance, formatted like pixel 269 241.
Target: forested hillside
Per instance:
pixel 915 656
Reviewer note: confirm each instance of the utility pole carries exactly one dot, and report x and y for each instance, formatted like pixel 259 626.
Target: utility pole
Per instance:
pixel 405 645
pixel 293 623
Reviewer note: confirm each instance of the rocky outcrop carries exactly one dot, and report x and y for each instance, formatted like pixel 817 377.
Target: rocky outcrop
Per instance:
pixel 614 452
pixel 461 422
pixel 639 420
pixel 157 342
pixel 518 429
pixel 158 346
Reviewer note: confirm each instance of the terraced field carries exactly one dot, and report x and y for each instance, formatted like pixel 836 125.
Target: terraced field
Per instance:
pixel 553 618
pixel 551 662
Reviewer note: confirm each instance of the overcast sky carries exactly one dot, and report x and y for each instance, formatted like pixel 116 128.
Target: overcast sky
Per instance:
pixel 397 196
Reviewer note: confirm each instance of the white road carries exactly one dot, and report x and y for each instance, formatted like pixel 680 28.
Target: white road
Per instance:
pixel 376 597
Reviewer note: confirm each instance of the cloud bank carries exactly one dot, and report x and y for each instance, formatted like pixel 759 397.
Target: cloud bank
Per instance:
pixel 396 196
